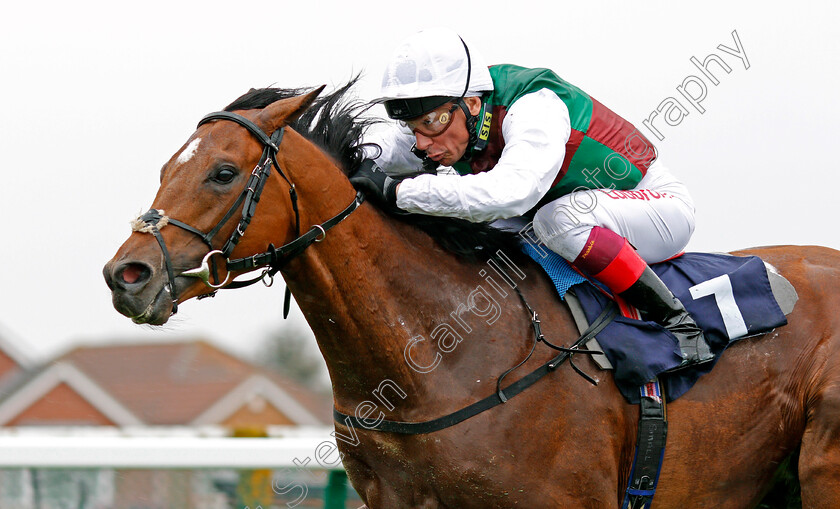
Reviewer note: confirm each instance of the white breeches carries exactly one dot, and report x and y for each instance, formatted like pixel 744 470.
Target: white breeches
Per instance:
pixel 656 217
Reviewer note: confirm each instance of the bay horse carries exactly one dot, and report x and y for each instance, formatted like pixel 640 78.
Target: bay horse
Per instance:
pixel 411 331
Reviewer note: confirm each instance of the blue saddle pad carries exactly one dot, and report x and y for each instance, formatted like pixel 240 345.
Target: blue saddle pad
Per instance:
pixel 728 296
pixel 558 269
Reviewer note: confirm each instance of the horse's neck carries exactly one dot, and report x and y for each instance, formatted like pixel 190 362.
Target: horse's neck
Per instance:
pixel 372 286
pixel 365 294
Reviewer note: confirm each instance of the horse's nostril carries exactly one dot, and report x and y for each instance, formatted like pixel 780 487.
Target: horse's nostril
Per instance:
pixel 134 273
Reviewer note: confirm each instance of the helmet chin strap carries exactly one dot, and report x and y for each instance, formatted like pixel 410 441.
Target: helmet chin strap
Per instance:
pixel 472 120
pixel 472 124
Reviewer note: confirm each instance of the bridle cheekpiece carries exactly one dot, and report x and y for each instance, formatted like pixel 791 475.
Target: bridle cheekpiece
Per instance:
pixel 274 258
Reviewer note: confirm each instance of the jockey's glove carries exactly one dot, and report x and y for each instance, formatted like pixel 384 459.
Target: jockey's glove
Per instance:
pixel 371 180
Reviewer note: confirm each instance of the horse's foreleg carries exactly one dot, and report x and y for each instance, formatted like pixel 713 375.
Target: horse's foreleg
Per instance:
pixel 378 492
pixel 819 460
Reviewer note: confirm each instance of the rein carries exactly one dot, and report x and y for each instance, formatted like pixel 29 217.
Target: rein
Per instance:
pixel 274 258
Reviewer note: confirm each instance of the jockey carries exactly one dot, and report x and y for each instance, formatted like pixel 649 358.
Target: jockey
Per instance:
pixel 485 144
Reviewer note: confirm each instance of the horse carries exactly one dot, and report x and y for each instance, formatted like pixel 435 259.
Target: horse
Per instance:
pixel 410 331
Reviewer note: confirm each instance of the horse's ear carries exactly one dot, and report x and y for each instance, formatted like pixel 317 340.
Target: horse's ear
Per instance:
pixel 280 113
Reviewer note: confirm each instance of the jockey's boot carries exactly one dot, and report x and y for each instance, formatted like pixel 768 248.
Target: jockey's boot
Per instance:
pixel 609 258
pixel 650 295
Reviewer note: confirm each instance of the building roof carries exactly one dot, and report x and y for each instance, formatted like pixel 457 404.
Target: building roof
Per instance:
pixel 49 392
pixel 13 363
pixel 168 384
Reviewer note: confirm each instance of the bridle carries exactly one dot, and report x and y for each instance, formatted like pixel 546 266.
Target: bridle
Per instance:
pixel 274 258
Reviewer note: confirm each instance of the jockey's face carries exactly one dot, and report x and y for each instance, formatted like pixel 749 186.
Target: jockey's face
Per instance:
pixel 448 147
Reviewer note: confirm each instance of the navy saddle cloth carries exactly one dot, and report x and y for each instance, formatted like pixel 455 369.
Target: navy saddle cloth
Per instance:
pixel 728 296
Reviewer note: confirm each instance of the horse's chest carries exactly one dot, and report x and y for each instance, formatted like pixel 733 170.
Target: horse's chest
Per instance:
pixel 426 472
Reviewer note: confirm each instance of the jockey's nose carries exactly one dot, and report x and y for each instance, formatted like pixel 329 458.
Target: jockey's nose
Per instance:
pixel 423 142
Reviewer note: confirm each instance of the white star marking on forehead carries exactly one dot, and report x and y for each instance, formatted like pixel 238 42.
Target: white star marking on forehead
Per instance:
pixel 189 152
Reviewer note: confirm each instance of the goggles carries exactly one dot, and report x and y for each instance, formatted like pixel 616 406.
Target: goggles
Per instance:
pixel 433 123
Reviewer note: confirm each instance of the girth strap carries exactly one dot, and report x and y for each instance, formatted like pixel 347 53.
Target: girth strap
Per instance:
pixel 650 448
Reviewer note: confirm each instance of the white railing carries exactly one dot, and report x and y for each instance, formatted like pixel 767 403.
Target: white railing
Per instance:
pixel 94 467
pixel 171 448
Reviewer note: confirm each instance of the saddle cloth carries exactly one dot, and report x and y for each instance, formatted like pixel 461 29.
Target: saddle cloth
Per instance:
pixel 730 297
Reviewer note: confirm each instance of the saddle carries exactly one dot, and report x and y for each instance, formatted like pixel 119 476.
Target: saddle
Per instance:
pixel 730 297
pixel 783 292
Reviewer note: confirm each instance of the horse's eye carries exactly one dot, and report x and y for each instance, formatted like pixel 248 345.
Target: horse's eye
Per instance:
pixel 223 175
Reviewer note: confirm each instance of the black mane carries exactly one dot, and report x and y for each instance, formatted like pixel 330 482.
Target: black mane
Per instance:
pixel 333 122
pixel 337 124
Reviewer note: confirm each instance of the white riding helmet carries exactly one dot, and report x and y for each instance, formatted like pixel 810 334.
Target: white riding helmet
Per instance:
pixel 428 69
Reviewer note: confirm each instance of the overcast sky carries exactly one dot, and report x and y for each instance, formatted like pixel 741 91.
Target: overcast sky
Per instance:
pixel 98 95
